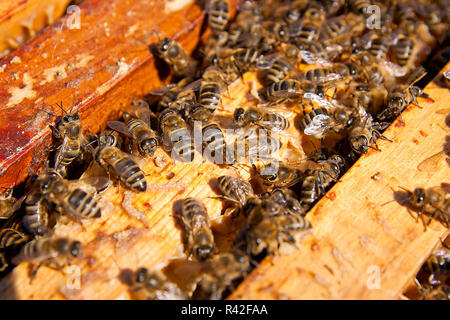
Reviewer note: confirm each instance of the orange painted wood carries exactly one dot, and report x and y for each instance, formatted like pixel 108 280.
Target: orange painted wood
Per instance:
pixel 104 64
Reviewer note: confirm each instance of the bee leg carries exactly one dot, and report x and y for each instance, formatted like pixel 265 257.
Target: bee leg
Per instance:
pixel 431 217
pixel 34 270
pixel 419 286
pixel 56 133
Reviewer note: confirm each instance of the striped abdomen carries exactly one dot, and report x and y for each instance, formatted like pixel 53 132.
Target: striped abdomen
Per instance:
pixel 284 89
pixel 403 50
pixel 248 57
pixel 124 167
pixel 83 204
pixel 210 96
pixel 35 250
pixel 308 32
pixel 36 219
pixel 11 238
pixel 334 29
pixel 310 192
pixel 378 49
pixel 218 15
pixel 197 225
pixel 280 69
pixel 275 121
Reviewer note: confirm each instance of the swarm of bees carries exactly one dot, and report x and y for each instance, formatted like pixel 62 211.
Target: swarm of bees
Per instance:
pixel 348 78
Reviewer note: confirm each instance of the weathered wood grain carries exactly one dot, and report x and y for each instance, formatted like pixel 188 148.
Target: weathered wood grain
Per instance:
pixel 104 64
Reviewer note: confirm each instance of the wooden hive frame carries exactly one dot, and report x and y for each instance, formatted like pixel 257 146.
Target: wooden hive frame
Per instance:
pixel 355 238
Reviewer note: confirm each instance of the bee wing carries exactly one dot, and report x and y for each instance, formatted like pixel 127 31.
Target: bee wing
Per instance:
pixel 319 100
pixel 194 85
pixel 141 110
pixel 447 74
pixel 60 154
pixel 10 211
pixel 318 125
pixel 99 183
pixel 163 90
pixel 119 127
pixel 268 60
pixel 311 58
pixel 393 68
pixel 431 164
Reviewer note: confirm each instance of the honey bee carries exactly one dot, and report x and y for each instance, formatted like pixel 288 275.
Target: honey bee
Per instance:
pixel 268 120
pixel 319 121
pixel 74 199
pixel 434 201
pixel 287 200
pixel 338 72
pixel 319 178
pixel 176 136
pixel 176 57
pixel 199 237
pixel 51 252
pixel 68 130
pixel 267 231
pixel 222 271
pixel 364 132
pixel 310 26
pixel 118 163
pixel 138 129
pixel 210 88
pixel 11 238
pixel 218 14
pixel 400 96
pixel 235 189
pixel 154 285
pixel 280 175
pixel 284 90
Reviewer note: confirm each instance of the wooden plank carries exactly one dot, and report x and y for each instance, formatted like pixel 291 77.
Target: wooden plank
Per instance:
pixel 20 20
pixel 363 247
pixel 104 64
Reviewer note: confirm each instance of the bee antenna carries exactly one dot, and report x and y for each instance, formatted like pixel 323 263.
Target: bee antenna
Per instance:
pixel 407 190
pixel 73 104
pixel 61 107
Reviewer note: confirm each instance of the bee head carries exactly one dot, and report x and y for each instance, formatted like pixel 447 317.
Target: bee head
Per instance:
pixel 418 197
pixel 141 275
pixel 76 250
